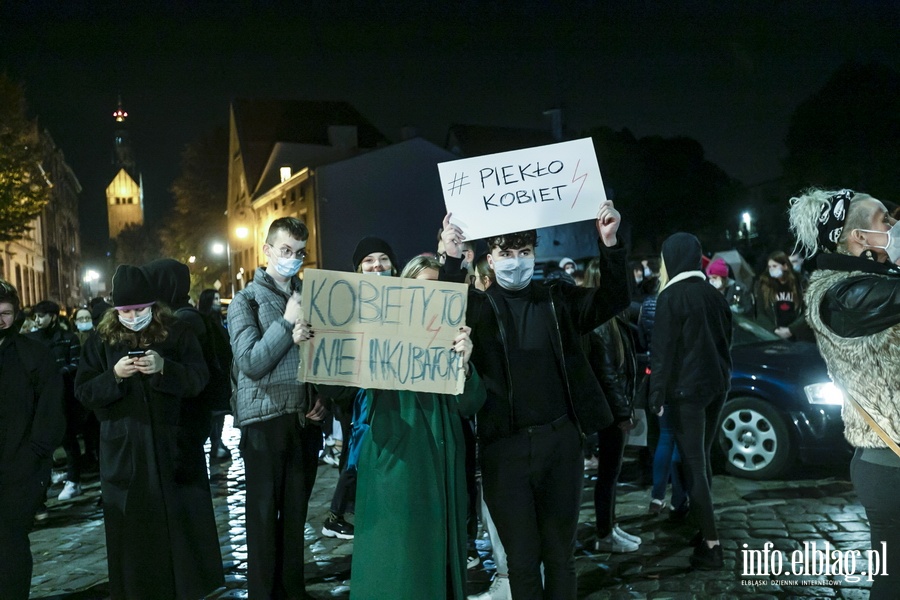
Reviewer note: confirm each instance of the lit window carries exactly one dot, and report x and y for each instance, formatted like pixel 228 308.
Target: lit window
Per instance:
pixel 285 173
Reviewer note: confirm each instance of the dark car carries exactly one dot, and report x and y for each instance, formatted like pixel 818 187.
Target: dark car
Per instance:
pixel 782 406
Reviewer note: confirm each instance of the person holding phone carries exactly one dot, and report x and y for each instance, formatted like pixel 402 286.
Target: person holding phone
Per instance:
pixel 161 539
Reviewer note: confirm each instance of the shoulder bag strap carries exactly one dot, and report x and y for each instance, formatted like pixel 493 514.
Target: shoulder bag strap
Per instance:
pixel 875 426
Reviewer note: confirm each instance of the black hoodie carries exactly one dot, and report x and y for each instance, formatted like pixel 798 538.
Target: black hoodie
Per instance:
pixel 691 356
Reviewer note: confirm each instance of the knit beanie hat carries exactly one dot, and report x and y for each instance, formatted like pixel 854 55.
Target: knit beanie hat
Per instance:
pixel 718 267
pixel 565 261
pixel 131 289
pixel 367 246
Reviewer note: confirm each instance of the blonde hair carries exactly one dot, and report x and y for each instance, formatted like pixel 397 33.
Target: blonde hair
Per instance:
pixel 418 264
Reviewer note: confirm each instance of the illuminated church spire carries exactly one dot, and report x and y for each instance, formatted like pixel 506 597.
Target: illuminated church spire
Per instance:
pixel 124 156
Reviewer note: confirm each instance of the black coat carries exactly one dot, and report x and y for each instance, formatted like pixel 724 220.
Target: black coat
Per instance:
pixel 691 353
pixel 611 353
pixel 575 312
pixel 32 421
pixel 161 537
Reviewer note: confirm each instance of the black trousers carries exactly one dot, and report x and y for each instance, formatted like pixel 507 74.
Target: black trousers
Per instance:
pixel 878 487
pixel 280 462
pixel 532 485
pixel 609 464
pixel 694 421
pixel 18 503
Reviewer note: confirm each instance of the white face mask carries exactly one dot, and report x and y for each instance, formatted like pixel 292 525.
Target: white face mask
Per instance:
pixel 514 273
pixel 893 241
pixel 647 272
pixel 776 272
pixel 137 323
pixel 716 283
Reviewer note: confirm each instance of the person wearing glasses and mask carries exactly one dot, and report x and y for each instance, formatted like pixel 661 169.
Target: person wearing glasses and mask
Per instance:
pixel 280 436
pixel 853 306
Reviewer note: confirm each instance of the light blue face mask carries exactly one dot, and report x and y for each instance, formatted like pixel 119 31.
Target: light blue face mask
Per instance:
pixel 287 267
pixel 84 326
pixel 514 273
pixel 379 273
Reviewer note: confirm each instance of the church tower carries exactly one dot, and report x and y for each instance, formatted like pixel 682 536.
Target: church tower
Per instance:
pixel 125 193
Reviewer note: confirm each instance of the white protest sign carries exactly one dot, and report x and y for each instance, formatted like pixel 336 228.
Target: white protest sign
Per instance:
pixel 382 332
pixel 523 189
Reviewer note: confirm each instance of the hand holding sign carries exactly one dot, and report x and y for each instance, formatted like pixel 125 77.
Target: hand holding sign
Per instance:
pixel 293 311
pixel 462 345
pixel 452 237
pixel 608 219
pixel 302 331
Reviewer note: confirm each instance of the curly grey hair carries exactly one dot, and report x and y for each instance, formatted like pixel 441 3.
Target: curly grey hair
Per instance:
pixel 806 209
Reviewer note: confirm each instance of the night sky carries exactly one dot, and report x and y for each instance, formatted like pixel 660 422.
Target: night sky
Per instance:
pixel 728 74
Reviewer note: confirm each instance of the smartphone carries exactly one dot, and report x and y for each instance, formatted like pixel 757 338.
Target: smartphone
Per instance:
pixel 136 353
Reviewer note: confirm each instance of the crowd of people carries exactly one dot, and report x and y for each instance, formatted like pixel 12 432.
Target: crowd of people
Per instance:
pixel 135 388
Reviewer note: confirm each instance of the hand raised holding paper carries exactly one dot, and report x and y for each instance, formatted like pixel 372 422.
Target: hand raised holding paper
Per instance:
pixel 462 344
pixel 608 220
pixel 452 237
pixel 294 310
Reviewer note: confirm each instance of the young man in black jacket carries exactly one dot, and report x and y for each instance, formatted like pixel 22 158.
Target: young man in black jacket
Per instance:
pixel 542 396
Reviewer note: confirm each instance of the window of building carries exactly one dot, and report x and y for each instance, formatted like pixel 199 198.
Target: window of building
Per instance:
pixel 285 173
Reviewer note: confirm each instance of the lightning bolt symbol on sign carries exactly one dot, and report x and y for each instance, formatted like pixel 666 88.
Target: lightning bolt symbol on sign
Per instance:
pixel 436 331
pixel 576 177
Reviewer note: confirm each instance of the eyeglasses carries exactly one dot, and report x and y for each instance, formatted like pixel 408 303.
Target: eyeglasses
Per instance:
pixel 286 252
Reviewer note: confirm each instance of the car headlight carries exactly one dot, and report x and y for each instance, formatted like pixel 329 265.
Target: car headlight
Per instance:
pixel 824 393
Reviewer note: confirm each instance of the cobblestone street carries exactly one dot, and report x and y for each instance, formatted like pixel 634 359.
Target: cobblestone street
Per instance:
pixel 70 555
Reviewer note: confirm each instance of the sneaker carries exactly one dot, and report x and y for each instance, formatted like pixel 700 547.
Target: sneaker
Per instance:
pixel 591 464
pixel 337 527
pixel 499 590
pixel 705 558
pixel 472 559
pixel 625 535
pixel 329 441
pixel 615 544
pixel 656 506
pixel 69 491
pixel 332 458
pixel 57 477
pixel 222 452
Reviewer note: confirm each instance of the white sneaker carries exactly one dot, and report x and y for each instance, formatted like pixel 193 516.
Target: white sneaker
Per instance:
pixel 57 477
pixel 70 491
pixel 624 534
pixel 591 464
pixel 615 544
pixel 499 590
pixel 332 458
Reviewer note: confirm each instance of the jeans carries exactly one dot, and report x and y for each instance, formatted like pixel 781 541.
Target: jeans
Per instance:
pixel 667 465
pixel 694 421
pixel 532 485
pixel 878 487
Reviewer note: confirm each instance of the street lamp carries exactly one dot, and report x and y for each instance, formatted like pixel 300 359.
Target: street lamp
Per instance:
pixel 90 276
pixel 219 248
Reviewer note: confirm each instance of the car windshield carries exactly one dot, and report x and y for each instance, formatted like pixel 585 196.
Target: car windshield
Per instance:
pixel 748 332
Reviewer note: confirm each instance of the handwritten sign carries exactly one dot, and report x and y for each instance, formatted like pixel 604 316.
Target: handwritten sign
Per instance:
pixel 382 332
pixel 523 189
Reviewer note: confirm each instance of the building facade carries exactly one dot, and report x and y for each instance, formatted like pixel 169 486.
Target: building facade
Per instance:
pixel 125 193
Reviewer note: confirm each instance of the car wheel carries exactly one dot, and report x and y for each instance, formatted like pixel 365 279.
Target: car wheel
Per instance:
pixel 754 439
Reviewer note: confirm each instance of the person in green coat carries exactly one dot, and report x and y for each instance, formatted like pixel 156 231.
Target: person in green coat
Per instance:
pixel 411 494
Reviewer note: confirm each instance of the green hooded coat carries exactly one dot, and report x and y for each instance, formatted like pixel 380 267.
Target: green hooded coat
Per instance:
pixel 411 496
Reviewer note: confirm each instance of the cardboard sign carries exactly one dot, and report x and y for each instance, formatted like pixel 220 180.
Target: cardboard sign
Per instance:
pixel 523 189
pixel 382 332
